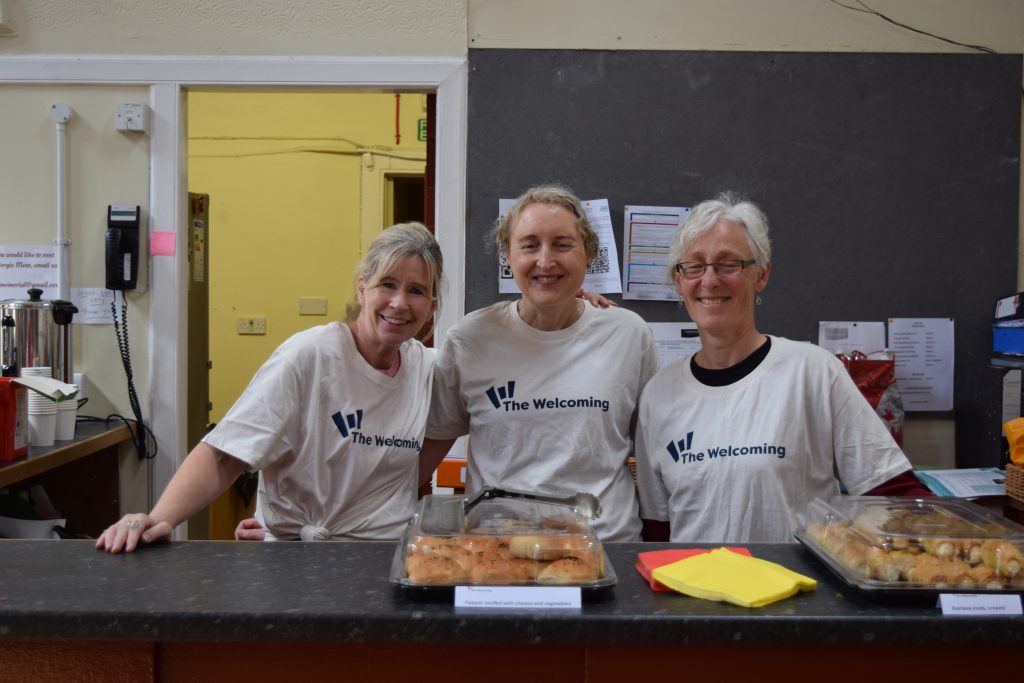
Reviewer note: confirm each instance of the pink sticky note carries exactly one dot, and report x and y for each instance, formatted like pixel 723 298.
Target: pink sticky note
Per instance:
pixel 161 243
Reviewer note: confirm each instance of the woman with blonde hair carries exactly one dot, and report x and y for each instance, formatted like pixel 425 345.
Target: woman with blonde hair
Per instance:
pixel 546 386
pixel 333 421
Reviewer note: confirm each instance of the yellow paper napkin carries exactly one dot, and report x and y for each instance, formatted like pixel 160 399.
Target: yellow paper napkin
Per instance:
pixel 730 577
pixel 1015 437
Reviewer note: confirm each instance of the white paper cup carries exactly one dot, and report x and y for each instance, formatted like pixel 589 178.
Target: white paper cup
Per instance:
pixel 67 415
pixel 42 428
pixel 44 406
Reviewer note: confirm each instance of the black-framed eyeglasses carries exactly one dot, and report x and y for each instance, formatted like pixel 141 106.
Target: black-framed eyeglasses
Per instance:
pixel 727 268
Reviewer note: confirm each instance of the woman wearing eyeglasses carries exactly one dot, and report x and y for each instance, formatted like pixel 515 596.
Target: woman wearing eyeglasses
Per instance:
pixel 734 441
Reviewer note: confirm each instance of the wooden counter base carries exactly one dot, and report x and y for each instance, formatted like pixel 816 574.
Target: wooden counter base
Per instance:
pixel 491 663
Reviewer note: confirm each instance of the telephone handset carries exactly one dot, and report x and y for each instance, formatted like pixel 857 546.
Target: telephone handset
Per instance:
pixel 123 222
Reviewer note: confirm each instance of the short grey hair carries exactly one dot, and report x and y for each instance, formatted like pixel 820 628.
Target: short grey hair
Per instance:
pixel 730 207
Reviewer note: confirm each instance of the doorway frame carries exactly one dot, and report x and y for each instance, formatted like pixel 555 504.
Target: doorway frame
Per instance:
pixel 168 77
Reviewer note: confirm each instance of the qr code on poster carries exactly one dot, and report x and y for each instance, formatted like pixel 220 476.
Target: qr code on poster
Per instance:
pixel 600 264
pixel 505 273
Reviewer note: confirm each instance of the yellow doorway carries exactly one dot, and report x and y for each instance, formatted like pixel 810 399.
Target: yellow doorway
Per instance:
pixel 298 183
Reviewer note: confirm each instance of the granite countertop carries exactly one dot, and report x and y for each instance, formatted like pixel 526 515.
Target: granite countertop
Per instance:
pixel 340 592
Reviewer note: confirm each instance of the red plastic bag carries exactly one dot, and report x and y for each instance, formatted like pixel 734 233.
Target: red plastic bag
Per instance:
pixel 875 376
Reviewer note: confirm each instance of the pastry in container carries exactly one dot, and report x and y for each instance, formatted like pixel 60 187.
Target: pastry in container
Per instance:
pixel 499 542
pixel 916 544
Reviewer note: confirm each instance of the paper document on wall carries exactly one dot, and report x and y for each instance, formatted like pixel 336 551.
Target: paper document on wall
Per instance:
pixel 27 266
pixel 648 232
pixel 674 341
pixel 602 276
pixel 924 361
pixel 843 337
pixel 93 304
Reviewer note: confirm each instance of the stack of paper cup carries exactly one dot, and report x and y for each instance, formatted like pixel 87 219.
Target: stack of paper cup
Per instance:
pixel 67 416
pixel 42 411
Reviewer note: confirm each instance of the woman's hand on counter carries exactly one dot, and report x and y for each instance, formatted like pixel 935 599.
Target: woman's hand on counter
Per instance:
pixel 249 529
pixel 126 534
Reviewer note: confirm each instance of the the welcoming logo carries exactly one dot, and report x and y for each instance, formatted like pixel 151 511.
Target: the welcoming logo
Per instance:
pixel 348 423
pixel 503 398
pixel 351 424
pixel 500 394
pixel 682 450
pixel 675 448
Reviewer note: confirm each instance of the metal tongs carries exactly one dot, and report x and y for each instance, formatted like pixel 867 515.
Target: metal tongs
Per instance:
pixel 585 504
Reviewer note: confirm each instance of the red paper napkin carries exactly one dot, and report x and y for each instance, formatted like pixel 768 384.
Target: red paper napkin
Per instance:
pixel 647 562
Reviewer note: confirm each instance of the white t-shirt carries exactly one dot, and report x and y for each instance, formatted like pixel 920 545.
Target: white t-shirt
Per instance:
pixel 547 412
pixel 336 441
pixel 740 463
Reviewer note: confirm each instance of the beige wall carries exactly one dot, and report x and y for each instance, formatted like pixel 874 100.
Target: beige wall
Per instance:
pixel 104 167
pixel 237 27
pixel 771 25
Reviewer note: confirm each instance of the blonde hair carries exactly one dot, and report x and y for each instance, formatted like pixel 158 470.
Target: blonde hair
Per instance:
pixel 556 195
pixel 392 245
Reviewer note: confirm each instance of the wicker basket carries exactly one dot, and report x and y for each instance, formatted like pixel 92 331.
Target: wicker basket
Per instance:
pixel 1015 482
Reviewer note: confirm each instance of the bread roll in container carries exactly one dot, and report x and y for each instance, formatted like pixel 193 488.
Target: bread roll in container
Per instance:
pixel 924 545
pixel 499 542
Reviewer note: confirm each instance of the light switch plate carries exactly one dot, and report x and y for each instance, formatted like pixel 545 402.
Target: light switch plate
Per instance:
pixel 130 116
pixel 313 306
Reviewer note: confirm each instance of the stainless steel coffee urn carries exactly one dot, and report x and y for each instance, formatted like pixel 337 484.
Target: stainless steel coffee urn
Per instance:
pixel 42 333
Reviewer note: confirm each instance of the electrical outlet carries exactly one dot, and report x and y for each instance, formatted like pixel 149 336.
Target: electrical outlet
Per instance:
pixel 252 326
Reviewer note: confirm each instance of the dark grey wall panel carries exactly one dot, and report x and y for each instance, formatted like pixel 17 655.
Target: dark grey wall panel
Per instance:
pixel 890 181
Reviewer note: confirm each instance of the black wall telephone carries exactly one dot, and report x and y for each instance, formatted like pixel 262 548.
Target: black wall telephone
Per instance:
pixel 122 246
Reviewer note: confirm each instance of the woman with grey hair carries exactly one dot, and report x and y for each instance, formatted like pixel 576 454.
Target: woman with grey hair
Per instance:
pixel 734 441
pixel 545 386
pixel 334 420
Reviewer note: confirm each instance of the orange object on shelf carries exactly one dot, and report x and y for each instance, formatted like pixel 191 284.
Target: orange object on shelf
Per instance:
pixel 451 473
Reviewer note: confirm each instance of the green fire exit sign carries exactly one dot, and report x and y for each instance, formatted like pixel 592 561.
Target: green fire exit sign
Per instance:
pixel 421 130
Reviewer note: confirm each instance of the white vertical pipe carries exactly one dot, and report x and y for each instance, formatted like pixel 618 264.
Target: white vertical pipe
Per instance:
pixel 60 114
pixel 168 304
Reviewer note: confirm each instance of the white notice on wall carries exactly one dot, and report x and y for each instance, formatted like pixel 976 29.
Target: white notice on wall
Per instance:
pixel 648 232
pixel 603 274
pixel 27 266
pixel 674 341
pixel 843 337
pixel 93 304
pixel 924 361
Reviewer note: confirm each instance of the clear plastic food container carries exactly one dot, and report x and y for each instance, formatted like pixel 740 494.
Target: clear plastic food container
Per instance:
pixel 916 544
pixel 499 542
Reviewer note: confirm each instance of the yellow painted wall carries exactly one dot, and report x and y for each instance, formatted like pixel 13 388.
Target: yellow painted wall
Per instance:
pixel 284 173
